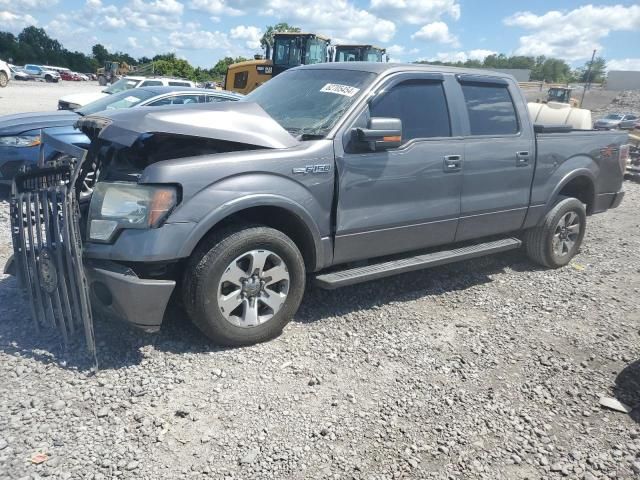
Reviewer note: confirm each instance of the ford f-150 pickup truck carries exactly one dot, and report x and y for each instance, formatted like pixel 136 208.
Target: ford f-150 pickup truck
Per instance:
pixel 339 172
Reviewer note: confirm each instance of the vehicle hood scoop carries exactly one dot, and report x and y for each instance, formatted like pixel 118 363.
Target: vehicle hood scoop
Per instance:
pixel 237 122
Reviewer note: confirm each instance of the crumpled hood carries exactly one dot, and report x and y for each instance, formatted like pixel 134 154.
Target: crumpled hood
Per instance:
pixel 239 122
pixel 23 122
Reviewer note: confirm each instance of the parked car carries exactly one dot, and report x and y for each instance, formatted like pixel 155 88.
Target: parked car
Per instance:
pixel 71 102
pixel 41 73
pixel 20 134
pixel 18 73
pixel 83 77
pixel 342 172
pixel 70 76
pixel 5 74
pixel 616 120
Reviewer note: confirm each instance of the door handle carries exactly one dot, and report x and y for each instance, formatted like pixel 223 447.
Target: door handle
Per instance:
pixel 452 163
pixel 522 158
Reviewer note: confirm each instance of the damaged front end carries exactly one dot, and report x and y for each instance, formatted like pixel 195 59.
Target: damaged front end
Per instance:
pixel 47 245
pixel 52 212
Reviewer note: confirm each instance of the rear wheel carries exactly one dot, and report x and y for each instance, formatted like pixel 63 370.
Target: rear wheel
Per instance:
pixel 4 79
pixel 554 243
pixel 243 285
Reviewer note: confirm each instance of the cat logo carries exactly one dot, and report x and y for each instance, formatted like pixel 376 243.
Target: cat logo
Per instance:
pixel 324 168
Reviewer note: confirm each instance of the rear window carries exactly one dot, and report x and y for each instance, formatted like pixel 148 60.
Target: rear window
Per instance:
pixel 491 110
pixel 240 79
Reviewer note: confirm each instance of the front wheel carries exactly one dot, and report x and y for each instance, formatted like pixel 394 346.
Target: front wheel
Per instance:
pixel 554 243
pixel 243 285
pixel 4 79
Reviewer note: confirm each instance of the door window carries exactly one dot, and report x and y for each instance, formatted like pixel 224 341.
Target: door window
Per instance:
pixel 490 109
pixel 420 104
pixel 151 83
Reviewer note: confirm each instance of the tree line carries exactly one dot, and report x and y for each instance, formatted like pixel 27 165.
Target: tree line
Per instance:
pixel 33 45
pixel 542 68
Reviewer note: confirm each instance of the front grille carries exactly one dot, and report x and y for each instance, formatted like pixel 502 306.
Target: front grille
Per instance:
pixel 48 251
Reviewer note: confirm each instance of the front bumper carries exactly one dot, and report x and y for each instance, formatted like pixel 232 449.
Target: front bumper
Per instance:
pixel 117 291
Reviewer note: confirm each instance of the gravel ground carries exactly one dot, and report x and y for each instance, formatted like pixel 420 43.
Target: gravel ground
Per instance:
pixel 492 368
pixel 487 369
pixel 19 97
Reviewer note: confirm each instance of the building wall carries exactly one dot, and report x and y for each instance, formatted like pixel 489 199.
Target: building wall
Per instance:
pixel 520 74
pixel 622 80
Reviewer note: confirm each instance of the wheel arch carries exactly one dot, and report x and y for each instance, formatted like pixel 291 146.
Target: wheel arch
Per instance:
pixel 580 184
pixel 272 211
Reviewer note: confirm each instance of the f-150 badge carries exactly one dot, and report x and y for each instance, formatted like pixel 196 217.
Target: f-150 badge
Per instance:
pixel 325 168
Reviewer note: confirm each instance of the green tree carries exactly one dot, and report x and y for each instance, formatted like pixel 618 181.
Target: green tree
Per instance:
pixel 267 37
pixel 220 69
pixel 598 71
pixel 100 53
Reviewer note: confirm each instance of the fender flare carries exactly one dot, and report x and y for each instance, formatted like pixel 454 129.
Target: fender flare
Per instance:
pixel 204 226
pixel 573 174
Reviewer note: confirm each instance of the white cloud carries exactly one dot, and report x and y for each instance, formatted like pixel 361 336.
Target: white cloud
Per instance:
pixel 436 32
pixel 250 34
pixel 338 19
pixel 132 42
pixel 113 23
pixel 574 34
pixel 201 39
pixel 23 5
pixel 215 7
pixel 462 56
pixel 417 11
pixel 480 54
pixel 14 22
pixel 624 64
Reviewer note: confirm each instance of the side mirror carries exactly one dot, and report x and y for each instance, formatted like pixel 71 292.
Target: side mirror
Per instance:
pixel 381 133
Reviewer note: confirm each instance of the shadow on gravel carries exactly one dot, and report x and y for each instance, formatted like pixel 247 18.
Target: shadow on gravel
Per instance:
pixel 318 304
pixel 627 389
pixel 119 345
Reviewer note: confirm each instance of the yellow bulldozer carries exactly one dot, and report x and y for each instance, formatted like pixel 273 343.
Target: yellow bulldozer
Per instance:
pixel 111 71
pixel 290 49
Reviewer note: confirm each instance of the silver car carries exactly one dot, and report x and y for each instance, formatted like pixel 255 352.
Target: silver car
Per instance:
pixel 616 121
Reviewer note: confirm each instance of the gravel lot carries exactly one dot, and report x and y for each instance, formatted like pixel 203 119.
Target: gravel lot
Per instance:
pixel 19 97
pixel 492 368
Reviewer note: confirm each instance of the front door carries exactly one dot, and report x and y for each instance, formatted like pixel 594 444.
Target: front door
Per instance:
pixel 404 198
pixel 499 159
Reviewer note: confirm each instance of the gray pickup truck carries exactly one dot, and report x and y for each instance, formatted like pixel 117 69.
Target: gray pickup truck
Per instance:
pixel 343 173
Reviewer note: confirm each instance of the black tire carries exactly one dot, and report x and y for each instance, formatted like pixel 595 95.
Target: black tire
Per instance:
pixel 539 241
pixel 4 79
pixel 48 78
pixel 203 274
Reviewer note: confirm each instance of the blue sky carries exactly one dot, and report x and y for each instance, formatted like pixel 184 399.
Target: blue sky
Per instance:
pixel 202 31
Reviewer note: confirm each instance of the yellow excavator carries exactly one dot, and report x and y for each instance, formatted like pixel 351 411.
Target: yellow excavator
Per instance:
pixel 290 49
pixel 111 71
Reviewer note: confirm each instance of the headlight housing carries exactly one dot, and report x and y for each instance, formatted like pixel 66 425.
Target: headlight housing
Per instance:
pixel 21 141
pixel 118 206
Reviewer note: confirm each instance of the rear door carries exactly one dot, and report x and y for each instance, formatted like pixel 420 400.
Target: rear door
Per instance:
pixel 408 197
pixel 499 157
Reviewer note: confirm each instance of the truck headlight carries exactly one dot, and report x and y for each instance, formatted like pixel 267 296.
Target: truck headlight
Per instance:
pixel 116 206
pixel 20 141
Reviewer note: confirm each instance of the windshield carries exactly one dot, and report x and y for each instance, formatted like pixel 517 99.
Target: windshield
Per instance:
pixel 310 101
pixel 122 85
pixel 126 99
pixel 613 116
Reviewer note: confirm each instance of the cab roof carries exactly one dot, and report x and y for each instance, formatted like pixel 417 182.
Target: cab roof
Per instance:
pixel 387 68
pixel 302 34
